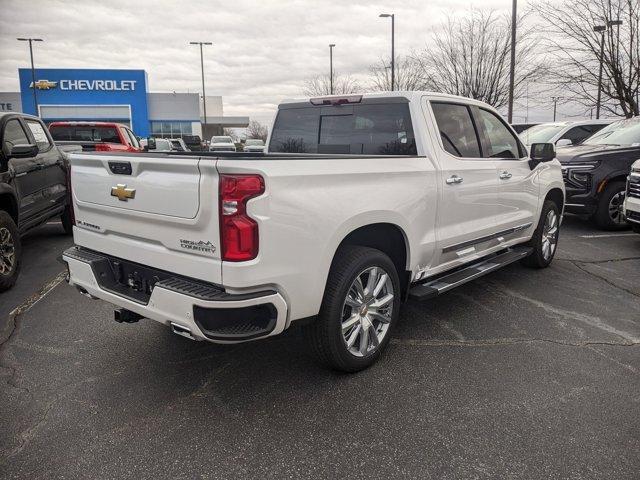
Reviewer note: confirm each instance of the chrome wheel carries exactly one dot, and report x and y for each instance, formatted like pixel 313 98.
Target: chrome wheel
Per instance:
pixel 367 311
pixel 615 208
pixel 550 235
pixel 7 252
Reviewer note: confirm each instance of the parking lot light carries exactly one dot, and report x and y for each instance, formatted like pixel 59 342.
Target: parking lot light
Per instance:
pixel 331 45
pixel 33 70
pixel 204 95
pixel 393 40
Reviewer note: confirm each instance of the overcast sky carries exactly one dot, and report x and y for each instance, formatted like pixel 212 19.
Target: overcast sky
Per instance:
pixel 263 50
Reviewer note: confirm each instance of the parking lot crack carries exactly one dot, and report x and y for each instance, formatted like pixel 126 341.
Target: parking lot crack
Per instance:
pixel 604 279
pixel 505 341
pixel 14 316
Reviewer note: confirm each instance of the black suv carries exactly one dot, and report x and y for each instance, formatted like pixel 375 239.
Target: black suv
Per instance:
pixel 33 187
pixel 595 172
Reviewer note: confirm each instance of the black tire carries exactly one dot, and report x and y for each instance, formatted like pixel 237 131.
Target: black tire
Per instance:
pixel 635 227
pixel 67 220
pixel 537 258
pixel 324 336
pixel 602 218
pixel 9 236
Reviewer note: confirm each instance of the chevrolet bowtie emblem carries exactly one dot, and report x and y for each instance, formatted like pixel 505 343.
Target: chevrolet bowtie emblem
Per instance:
pixel 43 85
pixel 122 192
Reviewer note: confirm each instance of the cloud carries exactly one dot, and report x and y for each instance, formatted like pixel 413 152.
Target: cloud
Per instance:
pixel 263 50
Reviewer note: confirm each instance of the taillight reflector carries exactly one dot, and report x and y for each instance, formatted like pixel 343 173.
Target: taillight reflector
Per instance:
pixel 238 231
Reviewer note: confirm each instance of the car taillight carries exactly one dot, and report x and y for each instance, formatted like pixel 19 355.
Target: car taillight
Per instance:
pixel 103 147
pixel 238 231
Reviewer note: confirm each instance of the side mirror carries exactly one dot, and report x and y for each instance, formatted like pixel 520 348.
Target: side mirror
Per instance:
pixel 24 151
pixel 541 152
pixel 151 144
pixel 564 142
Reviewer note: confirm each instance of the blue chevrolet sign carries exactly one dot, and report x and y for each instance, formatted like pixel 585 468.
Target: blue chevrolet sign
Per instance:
pixel 77 94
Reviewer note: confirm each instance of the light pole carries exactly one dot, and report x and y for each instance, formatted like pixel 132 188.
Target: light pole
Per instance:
pixel 555 103
pixel 331 45
pixel 512 67
pixel 204 95
pixel 601 29
pixel 33 70
pixel 393 47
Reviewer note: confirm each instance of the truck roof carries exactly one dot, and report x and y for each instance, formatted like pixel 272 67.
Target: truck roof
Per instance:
pixel 88 124
pixel 411 95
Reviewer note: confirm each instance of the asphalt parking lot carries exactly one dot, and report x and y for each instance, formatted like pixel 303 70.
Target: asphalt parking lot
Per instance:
pixel 521 374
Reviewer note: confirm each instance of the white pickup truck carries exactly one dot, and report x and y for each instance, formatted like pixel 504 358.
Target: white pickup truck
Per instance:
pixel 632 198
pixel 361 202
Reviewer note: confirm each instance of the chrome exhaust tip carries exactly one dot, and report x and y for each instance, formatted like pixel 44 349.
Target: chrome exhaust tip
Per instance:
pixel 182 331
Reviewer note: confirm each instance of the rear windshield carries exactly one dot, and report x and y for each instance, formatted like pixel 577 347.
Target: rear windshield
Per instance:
pixel 357 129
pixel 76 133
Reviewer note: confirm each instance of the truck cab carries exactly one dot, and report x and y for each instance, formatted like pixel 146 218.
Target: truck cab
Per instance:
pixel 33 187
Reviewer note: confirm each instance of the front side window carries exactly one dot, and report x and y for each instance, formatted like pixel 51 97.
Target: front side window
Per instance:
pixel 39 134
pixel 456 128
pixel 14 134
pixel 577 134
pixel 383 129
pixel 501 143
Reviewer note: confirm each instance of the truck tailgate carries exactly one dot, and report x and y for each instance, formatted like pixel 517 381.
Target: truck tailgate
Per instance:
pixel 158 211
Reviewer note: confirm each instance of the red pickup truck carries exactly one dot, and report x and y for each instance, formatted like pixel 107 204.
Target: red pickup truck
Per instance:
pixel 95 136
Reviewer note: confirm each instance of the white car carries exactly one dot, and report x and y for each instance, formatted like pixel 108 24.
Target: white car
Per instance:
pixel 254 145
pixel 360 202
pixel 222 144
pixel 563 134
pixel 632 198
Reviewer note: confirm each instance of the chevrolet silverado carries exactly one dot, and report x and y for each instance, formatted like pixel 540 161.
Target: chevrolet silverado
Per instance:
pixel 360 202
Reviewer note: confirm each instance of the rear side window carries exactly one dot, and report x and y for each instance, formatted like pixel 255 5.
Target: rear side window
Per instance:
pixel 77 133
pixel 358 129
pixel 456 128
pixel 501 143
pixel 40 135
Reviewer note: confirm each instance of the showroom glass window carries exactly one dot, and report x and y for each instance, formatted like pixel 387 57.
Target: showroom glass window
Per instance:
pixel 456 129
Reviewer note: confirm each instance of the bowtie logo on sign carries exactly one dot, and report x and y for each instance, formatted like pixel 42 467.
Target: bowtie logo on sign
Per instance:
pixel 43 84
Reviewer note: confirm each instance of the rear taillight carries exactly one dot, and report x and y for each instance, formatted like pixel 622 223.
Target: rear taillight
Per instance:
pixel 238 231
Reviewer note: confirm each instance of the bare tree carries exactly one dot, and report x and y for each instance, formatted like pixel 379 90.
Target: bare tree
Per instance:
pixel 470 57
pixel 574 49
pixel 321 85
pixel 256 129
pixel 409 75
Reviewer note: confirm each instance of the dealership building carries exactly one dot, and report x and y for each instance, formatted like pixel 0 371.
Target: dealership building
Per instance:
pixel 65 94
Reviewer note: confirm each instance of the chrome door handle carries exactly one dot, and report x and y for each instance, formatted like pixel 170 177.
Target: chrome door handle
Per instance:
pixel 454 179
pixel 505 175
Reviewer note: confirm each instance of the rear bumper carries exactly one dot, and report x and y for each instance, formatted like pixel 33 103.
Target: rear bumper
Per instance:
pixel 205 311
